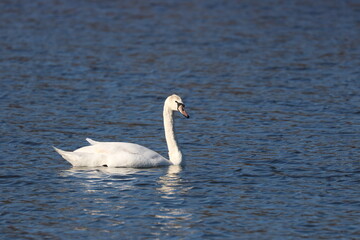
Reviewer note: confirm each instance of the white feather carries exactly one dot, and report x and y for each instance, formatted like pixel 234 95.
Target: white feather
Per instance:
pixel 122 154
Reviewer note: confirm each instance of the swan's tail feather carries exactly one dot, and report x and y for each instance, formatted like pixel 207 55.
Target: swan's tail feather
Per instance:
pixel 68 156
pixel 92 142
pixel 82 159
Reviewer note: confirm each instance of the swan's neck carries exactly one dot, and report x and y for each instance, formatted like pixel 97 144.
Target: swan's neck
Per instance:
pixel 175 155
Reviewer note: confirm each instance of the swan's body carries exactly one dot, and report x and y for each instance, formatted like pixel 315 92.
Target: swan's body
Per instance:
pixel 122 154
pixel 113 154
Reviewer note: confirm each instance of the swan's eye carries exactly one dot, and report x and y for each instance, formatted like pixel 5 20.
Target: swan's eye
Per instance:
pixel 180 104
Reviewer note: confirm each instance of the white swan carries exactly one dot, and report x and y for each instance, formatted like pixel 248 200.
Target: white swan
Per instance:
pixel 122 154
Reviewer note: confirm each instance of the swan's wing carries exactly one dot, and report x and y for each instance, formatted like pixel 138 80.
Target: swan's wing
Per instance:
pixel 92 142
pixel 121 154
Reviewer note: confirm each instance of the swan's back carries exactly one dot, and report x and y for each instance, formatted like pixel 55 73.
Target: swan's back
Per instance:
pixel 114 154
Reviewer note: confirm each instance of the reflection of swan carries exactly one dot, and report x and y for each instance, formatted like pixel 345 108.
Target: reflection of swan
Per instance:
pixel 121 154
pixel 172 191
pixel 91 178
pixel 170 182
pixel 99 172
pixel 174 170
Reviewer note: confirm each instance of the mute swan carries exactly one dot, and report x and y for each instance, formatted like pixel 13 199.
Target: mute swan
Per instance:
pixel 122 154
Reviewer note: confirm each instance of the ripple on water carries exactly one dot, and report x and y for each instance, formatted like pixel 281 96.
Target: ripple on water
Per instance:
pixel 271 145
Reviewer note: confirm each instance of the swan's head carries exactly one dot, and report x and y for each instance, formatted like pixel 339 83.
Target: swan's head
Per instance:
pixel 174 103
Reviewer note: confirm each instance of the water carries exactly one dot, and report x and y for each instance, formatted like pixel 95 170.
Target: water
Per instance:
pixel 272 145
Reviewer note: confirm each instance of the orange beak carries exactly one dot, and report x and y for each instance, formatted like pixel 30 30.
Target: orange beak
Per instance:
pixel 181 109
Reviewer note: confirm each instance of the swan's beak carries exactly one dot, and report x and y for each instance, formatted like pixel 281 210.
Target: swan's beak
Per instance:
pixel 181 109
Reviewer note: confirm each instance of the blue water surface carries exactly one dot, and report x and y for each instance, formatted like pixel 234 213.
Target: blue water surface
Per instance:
pixel 272 145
